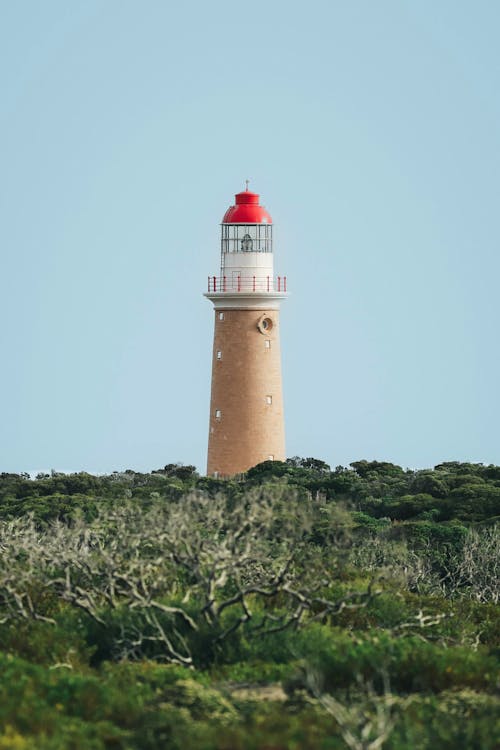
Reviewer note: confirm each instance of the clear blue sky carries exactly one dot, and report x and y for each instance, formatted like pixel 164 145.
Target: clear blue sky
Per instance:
pixel 372 132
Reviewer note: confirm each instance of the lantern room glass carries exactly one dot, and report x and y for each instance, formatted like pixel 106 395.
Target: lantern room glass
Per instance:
pixel 244 238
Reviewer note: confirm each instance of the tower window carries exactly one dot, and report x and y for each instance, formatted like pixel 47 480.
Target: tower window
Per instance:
pixel 265 325
pixel 219 355
pixel 218 414
pixel 221 316
pixel 267 344
pixel 269 399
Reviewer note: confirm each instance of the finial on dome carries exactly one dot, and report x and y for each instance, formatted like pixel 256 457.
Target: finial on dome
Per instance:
pixel 246 183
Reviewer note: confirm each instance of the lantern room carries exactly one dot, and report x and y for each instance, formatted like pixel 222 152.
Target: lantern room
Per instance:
pixel 246 227
pixel 246 263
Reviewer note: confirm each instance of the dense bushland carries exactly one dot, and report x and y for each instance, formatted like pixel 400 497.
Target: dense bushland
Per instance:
pixel 291 607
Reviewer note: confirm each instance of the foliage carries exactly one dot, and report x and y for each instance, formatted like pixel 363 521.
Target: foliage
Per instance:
pixel 292 607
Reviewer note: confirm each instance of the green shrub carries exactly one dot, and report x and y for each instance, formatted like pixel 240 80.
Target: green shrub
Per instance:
pixel 411 664
pixel 44 643
pixel 449 721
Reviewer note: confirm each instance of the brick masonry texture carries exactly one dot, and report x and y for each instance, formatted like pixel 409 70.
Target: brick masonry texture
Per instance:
pixel 249 429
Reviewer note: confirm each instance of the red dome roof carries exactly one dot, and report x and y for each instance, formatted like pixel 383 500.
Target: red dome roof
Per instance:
pixel 247 210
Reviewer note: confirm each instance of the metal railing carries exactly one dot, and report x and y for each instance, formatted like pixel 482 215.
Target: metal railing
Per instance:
pixel 221 284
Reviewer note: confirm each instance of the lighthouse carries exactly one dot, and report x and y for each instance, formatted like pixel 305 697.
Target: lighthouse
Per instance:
pixel 246 406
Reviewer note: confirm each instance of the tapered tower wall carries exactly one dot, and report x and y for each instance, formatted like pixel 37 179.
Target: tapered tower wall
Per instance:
pixel 246 411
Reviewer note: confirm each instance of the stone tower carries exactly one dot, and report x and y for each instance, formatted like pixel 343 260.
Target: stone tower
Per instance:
pixel 246 408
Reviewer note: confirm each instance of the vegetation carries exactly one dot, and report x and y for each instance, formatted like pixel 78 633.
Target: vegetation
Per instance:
pixel 291 607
